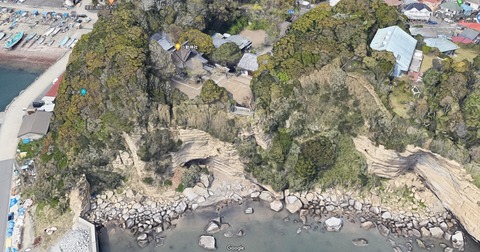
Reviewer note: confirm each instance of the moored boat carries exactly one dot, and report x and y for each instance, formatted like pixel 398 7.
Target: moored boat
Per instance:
pixel 50 31
pixel 64 41
pixel 14 40
pixel 50 43
pixel 2 34
pixel 74 43
pixel 40 40
pixel 67 45
pixel 29 37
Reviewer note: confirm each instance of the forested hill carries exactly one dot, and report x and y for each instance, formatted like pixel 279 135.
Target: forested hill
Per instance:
pixel 322 86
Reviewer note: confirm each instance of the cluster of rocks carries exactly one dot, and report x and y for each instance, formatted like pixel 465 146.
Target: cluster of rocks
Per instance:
pixel 207 241
pixel 333 209
pixel 144 217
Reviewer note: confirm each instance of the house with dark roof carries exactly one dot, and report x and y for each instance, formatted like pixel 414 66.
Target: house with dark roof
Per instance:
pixel 417 11
pixel 185 57
pixel 443 45
pixel 248 64
pixel 35 126
pixel 393 39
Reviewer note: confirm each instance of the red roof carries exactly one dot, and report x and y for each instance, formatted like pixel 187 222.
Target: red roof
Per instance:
pixel 54 89
pixel 471 25
pixel 463 40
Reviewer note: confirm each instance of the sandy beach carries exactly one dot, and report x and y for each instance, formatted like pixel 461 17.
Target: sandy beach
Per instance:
pixel 32 59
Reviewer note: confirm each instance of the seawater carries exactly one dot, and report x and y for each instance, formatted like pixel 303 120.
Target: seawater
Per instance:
pixel 12 82
pixel 265 230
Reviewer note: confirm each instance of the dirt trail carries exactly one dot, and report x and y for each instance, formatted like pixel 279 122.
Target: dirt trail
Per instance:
pixel 355 79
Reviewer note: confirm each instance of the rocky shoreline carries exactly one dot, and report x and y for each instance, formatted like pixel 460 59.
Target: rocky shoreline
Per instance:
pixel 147 218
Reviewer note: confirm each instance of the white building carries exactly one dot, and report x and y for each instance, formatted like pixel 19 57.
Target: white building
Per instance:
pixel 417 11
pixel 333 2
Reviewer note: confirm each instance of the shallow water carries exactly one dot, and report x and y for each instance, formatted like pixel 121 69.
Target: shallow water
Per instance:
pixel 265 231
pixel 12 81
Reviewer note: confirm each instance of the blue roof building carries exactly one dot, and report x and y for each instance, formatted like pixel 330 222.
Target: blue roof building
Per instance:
pixel 444 45
pixel 393 39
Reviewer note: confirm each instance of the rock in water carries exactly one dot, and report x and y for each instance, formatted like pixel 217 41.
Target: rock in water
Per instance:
pixel 436 232
pixel 249 210
pixel 360 242
pixel 142 243
pixel 142 237
pixel 458 241
pixel 386 216
pixel 448 249
pixel 240 232
pixel 207 242
pixel 383 230
pixel 333 224
pixel 358 205
pixel 276 205
pixel 367 225
pixel 293 204
pixel 181 207
pixel 421 244
pixel 212 227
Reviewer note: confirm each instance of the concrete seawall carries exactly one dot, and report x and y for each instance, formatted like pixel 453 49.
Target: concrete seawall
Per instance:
pixel 86 225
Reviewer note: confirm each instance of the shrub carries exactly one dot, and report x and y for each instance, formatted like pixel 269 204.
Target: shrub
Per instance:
pixel 180 188
pixel 167 182
pixel 211 92
pixel 148 180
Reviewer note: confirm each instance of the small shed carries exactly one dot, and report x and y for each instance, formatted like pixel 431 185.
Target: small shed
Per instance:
pixel 248 63
pixel 35 126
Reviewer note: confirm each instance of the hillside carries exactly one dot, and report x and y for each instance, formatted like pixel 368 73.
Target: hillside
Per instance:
pixel 322 86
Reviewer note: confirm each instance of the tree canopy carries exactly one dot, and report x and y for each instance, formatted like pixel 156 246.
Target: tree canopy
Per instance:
pixel 211 92
pixel 199 39
pixel 227 54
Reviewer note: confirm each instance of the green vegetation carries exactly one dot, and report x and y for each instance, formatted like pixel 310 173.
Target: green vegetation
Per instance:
pixel 200 39
pixel 148 180
pixel 227 54
pixel 192 176
pixel 32 148
pixel 211 92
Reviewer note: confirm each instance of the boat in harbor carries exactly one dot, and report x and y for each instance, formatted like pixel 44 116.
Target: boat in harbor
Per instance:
pixel 40 40
pixel 14 40
pixel 8 36
pixel 50 43
pixel 64 41
pixel 2 34
pixel 67 45
pixel 29 37
pixel 56 31
pixel 34 40
pixel 50 31
pixel 74 43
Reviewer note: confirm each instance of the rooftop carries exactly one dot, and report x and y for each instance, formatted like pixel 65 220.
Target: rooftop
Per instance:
pixel 248 62
pixel 53 91
pixel 470 34
pixel 401 44
pixel 418 6
pixel 443 45
pixel 393 2
pixel 36 123
pixel 471 25
pixel 452 6
pixel 240 41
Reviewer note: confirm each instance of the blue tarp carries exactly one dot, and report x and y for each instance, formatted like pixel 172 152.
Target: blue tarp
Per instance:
pixel 65 15
pixel 35 12
pixel 13 201
pixel 26 141
pixel 21 211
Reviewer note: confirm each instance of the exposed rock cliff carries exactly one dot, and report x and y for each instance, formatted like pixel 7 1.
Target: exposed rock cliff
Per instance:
pixel 447 179
pixel 80 198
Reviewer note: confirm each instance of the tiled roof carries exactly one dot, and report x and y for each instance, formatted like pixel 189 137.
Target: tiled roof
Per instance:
pixel 37 123
pixel 53 91
pixel 443 45
pixel 248 62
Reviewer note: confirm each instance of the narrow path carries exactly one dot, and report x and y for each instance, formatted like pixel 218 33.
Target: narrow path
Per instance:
pixel 371 91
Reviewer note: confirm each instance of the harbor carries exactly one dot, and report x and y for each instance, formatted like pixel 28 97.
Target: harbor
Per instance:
pixel 37 37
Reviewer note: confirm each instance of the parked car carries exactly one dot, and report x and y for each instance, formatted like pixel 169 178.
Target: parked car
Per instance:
pixel 38 104
pixel 431 22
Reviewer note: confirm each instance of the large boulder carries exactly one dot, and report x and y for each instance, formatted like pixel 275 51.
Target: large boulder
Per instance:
pixel 358 205
pixel 333 224
pixel 383 230
pixel 293 204
pixel 207 242
pixel 458 241
pixel 181 207
pixel 276 205
pixel 436 232
pixel 367 225
pixel 266 196
pixel 189 193
pixel 212 227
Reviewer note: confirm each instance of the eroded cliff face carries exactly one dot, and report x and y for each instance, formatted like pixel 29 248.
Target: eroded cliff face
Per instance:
pixel 447 179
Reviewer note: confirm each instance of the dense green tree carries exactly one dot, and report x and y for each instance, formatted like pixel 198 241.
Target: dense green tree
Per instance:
pixel 211 92
pixel 472 109
pixel 199 39
pixel 227 54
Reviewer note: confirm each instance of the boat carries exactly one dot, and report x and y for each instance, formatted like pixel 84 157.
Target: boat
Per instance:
pixel 49 31
pixel 14 40
pixel 74 43
pixel 67 45
pixel 51 42
pixel 2 34
pixel 29 37
pixel 64 41
pixel 40 40
pixel 55 31
pixel 34 40
pixel 9 36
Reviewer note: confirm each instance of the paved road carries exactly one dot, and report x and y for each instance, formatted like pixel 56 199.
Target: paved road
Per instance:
pixel 11 126
pixel 5 185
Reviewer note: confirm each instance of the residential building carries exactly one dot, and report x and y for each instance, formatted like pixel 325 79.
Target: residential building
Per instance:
pixel 393 2
pixel 240 41
pixel 470 25
pixel 442 44
pixel 452 8
pixel 393 39
pixel 164 41
pixel 470 34
pixel 35 126
pixel 417 11
pixel 475 4
pixel 333 2
pixel 248 64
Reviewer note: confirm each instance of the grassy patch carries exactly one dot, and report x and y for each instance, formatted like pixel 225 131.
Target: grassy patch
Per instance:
pixel 399 99
pixel 32 149
pixel 474 171
pixel 463 53
pixel 427 62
